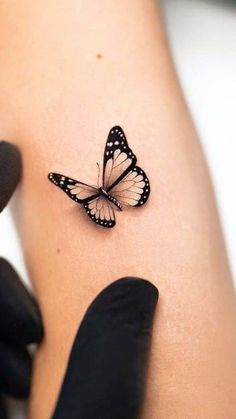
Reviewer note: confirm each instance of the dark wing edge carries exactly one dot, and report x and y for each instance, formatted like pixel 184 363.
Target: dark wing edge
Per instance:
pixel 146 189
pixel 78 191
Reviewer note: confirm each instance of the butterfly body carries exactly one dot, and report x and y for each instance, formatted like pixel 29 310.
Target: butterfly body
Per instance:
pixel 110 198
pixel 123 183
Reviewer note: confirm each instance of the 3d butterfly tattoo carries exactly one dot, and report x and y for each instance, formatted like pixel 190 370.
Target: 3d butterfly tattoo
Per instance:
pixel 123 183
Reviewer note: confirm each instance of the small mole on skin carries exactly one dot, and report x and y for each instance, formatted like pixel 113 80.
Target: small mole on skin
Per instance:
pixel 99 56
pixel 58 251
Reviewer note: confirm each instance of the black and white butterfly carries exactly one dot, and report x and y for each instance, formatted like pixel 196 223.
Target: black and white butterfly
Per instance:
pixel 123 183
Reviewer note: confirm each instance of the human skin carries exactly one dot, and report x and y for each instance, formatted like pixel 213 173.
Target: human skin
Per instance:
pixel 70 70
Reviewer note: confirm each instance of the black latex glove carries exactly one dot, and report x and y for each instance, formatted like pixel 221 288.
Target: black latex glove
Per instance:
pixel 20 322
pixel 105 377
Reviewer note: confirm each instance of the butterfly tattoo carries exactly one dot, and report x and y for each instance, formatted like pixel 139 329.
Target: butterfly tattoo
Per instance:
pixel 123 183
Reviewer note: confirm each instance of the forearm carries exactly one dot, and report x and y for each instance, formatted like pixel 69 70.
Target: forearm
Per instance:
pixel 72 71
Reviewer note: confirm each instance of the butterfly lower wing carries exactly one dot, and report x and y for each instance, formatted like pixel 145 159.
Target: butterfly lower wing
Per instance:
pixel 118 160
pixel 101 211
pixel 133 190
pixel 78 191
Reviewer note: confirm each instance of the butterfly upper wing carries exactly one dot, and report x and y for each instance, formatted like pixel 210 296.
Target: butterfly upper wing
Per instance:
pixel 78 191
pixel 118 160
pixel 101 211
pixel 133 189
pixel 123 180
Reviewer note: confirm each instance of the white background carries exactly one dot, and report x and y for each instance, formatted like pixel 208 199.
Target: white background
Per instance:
pixel 203 39
pixel 202 34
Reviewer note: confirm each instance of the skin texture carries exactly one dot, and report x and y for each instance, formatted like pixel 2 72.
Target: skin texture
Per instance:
pixel 58 102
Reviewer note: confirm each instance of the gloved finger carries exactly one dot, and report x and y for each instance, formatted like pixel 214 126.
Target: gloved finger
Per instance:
pixel 15 371
pixel 20 320
pixel 105 377
pixel 3 414
pixel 10 171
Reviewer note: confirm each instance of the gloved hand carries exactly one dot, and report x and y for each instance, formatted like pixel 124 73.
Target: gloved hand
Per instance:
pixel 20 322
pixel 105 376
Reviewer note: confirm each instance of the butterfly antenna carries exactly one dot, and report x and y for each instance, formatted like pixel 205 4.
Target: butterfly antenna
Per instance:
pixel 98 181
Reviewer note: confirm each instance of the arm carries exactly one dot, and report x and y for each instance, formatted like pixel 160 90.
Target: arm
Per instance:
pixel 71 71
